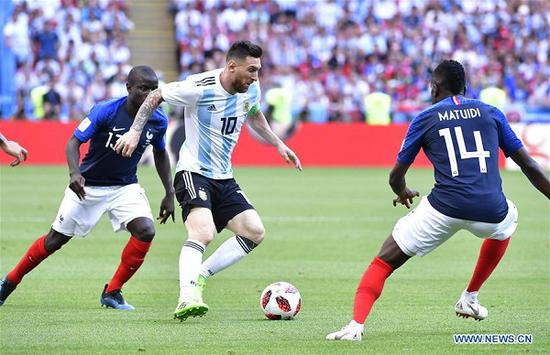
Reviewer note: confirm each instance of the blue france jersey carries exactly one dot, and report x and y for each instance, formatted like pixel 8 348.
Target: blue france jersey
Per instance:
pixel 461 137
pixel 107 121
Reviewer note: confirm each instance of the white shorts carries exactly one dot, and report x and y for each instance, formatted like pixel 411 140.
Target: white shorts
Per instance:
pixel 122 203
pixel 425 228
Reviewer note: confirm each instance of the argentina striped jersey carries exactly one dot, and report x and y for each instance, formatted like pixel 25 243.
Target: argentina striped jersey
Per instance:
pixel 213 121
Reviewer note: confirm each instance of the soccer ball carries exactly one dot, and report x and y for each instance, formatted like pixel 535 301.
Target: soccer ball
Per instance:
pixel 280 300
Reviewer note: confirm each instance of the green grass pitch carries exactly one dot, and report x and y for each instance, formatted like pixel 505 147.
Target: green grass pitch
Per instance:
pixel 323 228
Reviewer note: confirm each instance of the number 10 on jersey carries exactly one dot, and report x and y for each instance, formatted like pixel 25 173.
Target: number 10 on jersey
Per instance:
pixel 228 125
pixel 479 153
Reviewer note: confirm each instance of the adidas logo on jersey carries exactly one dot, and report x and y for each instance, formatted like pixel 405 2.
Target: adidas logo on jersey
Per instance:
pixel 211 108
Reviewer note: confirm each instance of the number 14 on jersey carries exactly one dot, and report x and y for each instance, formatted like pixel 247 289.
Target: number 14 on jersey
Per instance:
pixel 479 153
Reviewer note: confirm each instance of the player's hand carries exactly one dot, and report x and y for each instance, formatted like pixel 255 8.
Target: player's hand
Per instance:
pixel 127 143
pixel 15 150
pixel 166 208
pixel 289 156
pixel 406 197
pixel 77 185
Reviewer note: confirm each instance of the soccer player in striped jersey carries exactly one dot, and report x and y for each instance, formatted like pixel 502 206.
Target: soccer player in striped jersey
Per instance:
pixel 216 105
pixel 461 137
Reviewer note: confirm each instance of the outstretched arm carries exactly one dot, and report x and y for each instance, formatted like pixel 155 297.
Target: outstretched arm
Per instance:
pixel 259 124
pixel 532 170
pixel 14 149
pixel 162 163
pixel 73 158
pixel 129 140
pixel 399 185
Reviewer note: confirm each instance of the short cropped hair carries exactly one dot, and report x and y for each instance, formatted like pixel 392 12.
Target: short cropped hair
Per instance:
pixel 143 72
pixel 242 49
pixel 451 75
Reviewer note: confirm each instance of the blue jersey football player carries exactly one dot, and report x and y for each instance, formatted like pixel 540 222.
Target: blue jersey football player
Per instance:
pixel 461 137
pixel 107 182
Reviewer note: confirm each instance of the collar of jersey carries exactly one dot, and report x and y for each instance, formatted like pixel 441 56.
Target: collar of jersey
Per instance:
pixel 219 83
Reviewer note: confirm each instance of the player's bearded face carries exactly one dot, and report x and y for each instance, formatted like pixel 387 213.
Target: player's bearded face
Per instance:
pixel 246 73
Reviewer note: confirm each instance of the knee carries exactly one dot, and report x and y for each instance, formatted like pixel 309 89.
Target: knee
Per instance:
pixel 205 239
pixel 54 241
pixel 201 233
pixel 256 233
pixel 146 233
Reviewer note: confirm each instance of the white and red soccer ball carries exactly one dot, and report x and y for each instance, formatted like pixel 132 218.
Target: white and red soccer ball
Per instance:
pixel 280 300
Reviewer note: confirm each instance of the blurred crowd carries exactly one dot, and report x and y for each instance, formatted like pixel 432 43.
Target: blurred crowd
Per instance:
pixel 330 55
pixel 342 60
pixel 69 55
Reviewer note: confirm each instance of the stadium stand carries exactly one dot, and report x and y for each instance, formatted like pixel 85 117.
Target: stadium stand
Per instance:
pixel 329 54
pixel 72 52
pixel 332 54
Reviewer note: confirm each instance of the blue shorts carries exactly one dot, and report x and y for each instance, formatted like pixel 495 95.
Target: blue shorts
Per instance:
pixel 223 197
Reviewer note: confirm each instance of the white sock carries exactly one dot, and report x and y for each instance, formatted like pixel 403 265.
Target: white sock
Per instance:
pixel 230 252
pixel 470 296
pixel 190 263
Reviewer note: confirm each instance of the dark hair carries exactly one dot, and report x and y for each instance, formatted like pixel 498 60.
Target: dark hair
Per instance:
pixel 451 75
pixel 141 72
pixel 243 49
